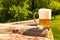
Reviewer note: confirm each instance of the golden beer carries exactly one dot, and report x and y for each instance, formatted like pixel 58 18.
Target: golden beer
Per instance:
pixel 44 17
pixel 44 22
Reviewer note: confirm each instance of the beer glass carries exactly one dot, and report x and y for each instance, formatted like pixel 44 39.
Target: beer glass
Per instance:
pixel 44 21
pixel 44 17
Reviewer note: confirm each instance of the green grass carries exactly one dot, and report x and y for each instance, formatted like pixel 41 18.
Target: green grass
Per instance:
pixel 56 27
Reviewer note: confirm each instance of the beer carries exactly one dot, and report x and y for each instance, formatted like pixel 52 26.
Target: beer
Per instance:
pixel 44 17
pixel 44 22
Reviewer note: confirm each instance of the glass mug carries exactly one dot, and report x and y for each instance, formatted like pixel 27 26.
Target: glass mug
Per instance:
pixel 44 17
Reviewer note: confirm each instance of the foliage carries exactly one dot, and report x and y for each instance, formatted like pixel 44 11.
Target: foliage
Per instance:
pixel 16 10
pixel 55 6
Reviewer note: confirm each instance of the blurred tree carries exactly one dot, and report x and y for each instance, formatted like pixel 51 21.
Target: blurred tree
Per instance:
pixel 54 5
pixel 41 4
pixel 16 10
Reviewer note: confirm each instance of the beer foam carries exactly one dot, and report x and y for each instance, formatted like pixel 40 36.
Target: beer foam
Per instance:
pixel 44 13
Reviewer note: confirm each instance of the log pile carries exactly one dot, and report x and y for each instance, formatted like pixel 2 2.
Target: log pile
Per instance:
pixel 23 30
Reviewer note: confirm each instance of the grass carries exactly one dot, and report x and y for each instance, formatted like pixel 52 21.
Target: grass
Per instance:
pixel 56 27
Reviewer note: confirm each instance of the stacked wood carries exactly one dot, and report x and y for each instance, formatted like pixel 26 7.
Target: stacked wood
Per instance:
pixel 23 30
pixel 20 37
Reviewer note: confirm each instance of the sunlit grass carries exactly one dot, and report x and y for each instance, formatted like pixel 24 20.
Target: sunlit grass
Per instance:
pixel 56 27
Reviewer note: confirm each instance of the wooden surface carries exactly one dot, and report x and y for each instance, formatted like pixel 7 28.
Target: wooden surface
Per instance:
pixel 20 37
pixel 15 30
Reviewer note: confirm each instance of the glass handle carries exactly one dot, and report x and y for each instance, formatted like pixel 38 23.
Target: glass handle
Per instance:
pixel 35 18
